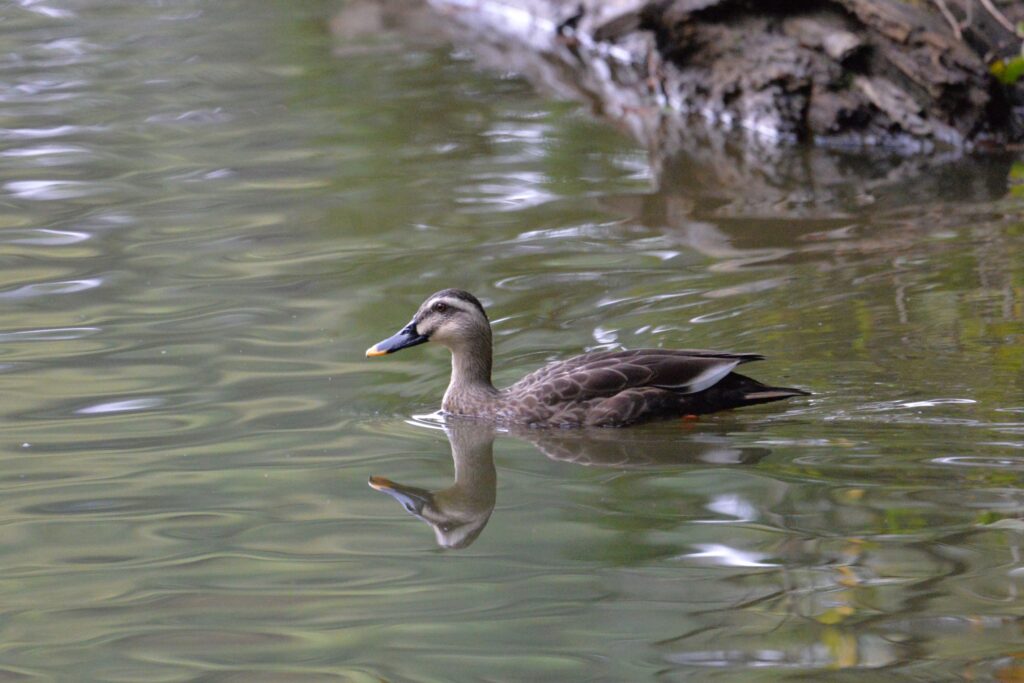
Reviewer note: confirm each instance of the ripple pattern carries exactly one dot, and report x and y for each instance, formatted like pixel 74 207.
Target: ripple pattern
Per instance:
pixel 211 208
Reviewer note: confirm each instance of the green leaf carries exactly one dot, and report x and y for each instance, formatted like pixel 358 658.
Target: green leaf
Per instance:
pixel 1008 72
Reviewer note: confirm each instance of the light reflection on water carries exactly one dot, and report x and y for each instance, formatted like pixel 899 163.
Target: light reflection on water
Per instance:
pixel 210 210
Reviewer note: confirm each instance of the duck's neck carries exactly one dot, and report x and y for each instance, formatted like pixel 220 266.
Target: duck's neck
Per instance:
pixel 471 377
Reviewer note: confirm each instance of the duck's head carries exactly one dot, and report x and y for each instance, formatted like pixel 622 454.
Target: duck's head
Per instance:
pixel 451 317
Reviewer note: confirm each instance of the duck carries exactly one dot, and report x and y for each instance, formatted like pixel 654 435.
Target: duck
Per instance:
pixel 596 389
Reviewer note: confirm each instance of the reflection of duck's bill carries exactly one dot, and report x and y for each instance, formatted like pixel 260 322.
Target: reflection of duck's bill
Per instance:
pixel 381 484
pixel 412 499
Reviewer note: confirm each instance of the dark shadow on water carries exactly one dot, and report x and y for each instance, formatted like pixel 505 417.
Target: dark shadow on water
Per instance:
pixel 459 512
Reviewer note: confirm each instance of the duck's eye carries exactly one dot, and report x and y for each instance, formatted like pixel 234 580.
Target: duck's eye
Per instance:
pixel 439 307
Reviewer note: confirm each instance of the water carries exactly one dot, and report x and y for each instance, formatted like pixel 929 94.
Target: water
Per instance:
pixel 209 210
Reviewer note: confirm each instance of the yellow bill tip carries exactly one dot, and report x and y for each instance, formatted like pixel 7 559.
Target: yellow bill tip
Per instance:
pixel 373 351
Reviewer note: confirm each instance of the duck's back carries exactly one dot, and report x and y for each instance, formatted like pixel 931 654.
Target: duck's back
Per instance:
pixel 611 388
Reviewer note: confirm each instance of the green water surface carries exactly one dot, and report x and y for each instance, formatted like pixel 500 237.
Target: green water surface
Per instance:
pixel 209 210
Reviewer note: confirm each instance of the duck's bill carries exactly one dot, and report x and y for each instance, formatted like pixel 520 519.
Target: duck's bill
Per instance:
pixel 404 339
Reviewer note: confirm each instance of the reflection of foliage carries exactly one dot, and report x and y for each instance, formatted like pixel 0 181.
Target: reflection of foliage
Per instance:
pixel 1017 179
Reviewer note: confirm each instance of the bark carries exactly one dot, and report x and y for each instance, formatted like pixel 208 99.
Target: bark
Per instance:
pixel 836 72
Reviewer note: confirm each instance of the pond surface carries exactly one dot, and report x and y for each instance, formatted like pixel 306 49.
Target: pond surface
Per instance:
pixel 209 210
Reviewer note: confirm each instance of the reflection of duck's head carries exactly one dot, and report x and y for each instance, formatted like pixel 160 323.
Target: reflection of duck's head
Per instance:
pixel 459 512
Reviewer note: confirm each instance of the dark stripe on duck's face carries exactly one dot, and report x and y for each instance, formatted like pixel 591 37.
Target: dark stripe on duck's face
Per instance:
pixel 406 337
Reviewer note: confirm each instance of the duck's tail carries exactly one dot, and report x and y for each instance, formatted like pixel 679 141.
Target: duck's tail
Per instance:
pixel 736 391
pixel 752 392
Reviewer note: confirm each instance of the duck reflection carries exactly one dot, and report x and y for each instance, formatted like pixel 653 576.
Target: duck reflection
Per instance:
pixel 459 512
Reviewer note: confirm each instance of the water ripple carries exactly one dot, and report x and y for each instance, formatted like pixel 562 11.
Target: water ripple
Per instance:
pixel 95 506
pixel 725 314
pixel 128 405
pixel 717 553
pixel 44 237
pixel 53 132
pixel 47 11
pixel 197 116
pixel 1007 464
pixel 931 403
pixel 44 150
pixel 46 190
pixel 54 334
pixel 50 288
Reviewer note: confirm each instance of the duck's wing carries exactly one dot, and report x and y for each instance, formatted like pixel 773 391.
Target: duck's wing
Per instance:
pixel 605 374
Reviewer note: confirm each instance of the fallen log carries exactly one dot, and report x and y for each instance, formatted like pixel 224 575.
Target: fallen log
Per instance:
pixel 602 57
pixel 842 73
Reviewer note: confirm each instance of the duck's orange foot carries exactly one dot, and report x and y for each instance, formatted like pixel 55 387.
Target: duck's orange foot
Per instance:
pixel 690 417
